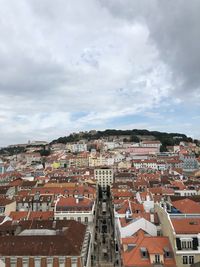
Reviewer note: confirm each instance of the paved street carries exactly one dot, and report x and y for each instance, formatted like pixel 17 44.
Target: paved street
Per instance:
pixel 104 250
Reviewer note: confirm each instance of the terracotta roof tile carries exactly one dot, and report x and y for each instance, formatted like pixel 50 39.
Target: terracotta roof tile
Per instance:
pixel 186 225
pixel 153 245
pixel 67 242
pixel 18 215
pixel 187 206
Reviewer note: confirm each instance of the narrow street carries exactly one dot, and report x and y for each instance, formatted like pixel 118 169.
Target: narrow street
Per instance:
pixel 104 250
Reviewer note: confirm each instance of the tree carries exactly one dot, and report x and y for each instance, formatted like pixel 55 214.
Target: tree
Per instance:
pixel 197 142
pixel 134 138
pixel 44 152
pixel 163 148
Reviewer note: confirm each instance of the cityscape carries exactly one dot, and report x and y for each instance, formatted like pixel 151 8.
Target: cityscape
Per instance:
pixel 122 199
pixel 99 133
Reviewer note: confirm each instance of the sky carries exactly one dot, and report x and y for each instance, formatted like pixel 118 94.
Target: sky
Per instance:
pixel 74 65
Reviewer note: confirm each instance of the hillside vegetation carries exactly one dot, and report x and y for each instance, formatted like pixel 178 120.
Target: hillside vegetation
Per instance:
pixel 135 135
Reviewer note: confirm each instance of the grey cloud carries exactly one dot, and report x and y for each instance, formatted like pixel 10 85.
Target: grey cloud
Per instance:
pixel 174 27
pixel 29 77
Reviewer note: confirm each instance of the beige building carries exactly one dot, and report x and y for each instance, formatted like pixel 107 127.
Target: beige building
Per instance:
pixel 6 206
pixel 124 165
pixel 97 160
pixel 183 231
pixel 78 161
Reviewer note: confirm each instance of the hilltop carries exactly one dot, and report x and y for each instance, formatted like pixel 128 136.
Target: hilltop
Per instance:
pixel 135 135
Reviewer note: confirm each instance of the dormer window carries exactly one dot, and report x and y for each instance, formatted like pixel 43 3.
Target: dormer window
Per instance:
pixel 157 258
pixel 131 246
pixel 167 253
pixel 144 252
pixel 186 243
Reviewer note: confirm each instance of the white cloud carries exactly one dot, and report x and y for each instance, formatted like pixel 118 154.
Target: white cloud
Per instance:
pixel 61 57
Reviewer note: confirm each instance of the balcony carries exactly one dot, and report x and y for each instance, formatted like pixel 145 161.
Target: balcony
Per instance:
pixel 73 211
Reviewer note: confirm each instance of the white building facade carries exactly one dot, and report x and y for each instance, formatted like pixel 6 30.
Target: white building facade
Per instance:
pixel 104 176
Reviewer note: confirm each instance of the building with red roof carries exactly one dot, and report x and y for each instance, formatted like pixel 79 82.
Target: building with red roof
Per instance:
pixel 186 206
pixel 183 231
pixel 143 250
pixel 45 243
pixel 77 208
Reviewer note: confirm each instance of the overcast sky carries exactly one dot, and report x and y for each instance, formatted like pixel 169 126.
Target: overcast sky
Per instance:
pixel 71 65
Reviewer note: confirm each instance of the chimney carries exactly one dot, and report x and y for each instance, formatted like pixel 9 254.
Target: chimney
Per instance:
pixel 148 198
pixel 77 200
pixel 128 216
pixel 152 217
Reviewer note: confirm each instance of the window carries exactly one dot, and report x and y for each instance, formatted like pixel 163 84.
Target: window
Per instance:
pixel 186 244
pixel 37 262
pixel 74 262
pixel 25 262
pixel 191 259
pixel 189 244
pixel 157 258
pixel 13 262
pixel 167 253
pixel 144 252
pixel 183 244
pixel 86 219
pixel 188 259
pixel 61 262
pixel 49 262
pixel 185 260
pixel 79 219
pixel 159 233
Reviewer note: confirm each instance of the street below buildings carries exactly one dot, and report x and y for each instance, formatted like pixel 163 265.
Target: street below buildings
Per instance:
pixel 104 247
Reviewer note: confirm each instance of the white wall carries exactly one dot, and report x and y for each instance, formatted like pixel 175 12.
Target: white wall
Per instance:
pixel 148 205
pixel 136 225
pixel 2 264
